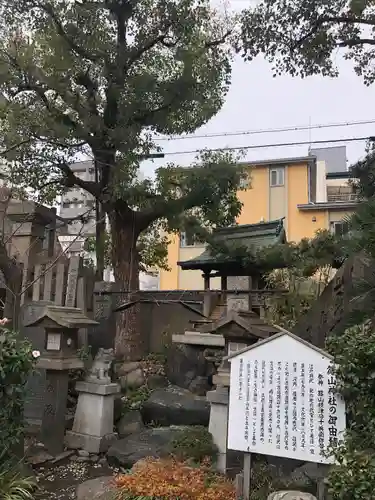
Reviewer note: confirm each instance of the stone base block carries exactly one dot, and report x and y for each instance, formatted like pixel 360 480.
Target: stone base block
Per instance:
pixel 101 389
pixel 92 444
pixel 219 396
pixel 218 424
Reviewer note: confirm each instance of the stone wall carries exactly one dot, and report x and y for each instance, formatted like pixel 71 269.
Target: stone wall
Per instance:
pixel 330 313
pixel 158 320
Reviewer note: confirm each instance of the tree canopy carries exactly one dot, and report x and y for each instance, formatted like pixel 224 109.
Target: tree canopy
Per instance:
pixel 103 79
pixel 302 37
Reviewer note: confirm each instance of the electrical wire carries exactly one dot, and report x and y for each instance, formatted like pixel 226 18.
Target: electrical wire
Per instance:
pixel 266 130
pixel 272 145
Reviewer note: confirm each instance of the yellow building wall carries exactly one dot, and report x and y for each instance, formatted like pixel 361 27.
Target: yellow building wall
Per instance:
pixel 255 199
pixel 302 224
pixel 168 280
pixel 193 280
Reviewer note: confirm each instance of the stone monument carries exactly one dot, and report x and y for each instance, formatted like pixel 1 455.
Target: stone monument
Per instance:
pixel 93 422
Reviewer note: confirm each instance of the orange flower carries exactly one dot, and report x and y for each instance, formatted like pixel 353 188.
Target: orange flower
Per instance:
pixel 168 479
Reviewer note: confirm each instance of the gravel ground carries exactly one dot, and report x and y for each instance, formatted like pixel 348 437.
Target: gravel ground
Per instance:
pixel 59 482
pixel 58 477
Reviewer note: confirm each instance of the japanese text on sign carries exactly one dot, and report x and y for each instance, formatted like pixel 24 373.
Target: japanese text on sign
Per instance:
pixel 282 405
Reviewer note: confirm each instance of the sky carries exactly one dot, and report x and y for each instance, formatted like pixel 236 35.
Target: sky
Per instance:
pixel 256 101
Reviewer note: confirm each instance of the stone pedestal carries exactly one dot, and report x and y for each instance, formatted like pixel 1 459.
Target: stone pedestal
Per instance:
pixel 218 425
pixel 93 422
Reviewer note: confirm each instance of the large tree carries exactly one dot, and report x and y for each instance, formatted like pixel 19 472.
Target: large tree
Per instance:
pixel 100 78
pixel 302 36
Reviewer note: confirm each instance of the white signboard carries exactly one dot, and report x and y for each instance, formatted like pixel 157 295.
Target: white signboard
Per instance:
pixel 283 401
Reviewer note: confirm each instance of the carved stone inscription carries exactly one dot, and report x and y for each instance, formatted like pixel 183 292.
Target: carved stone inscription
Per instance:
pixel 53 423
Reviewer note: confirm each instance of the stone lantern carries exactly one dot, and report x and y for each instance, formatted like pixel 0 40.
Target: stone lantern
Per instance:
pixel 61 325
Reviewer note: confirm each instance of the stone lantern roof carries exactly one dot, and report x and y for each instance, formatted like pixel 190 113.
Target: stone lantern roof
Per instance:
pixel 242 326
pixel 64 317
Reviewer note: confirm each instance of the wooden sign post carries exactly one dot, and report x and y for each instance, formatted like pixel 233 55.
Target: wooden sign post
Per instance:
pixel 246 476
pixel 283 402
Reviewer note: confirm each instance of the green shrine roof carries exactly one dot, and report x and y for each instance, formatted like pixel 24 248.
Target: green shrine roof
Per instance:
pixel 251 236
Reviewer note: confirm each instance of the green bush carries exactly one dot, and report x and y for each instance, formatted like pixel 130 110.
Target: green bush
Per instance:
pixel 353 475
pixel 13 485
pixel 17 360
pixel 134 398
pixel 194 443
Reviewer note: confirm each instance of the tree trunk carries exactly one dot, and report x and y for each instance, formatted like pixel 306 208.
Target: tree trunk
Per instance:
pixel 100 236
pixel 129 343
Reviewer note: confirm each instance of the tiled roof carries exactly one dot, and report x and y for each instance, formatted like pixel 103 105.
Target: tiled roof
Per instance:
pixel 252 236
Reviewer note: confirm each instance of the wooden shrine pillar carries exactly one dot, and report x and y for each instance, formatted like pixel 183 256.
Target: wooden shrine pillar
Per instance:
pixel 207 295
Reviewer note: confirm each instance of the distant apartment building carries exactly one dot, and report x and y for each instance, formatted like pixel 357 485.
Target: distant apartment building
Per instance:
pixel 77 201
pixel 310 193
pixel 72 237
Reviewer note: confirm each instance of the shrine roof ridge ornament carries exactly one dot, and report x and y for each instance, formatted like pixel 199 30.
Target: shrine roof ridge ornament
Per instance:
pixel 66 317
pixel 282 333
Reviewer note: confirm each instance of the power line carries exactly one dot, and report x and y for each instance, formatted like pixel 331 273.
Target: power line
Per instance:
pixel 266 130
pixel 273 145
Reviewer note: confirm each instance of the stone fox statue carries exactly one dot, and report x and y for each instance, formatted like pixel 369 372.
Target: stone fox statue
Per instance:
pixel 99 372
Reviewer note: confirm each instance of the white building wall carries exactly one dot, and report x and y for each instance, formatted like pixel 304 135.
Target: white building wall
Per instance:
pixel 321 182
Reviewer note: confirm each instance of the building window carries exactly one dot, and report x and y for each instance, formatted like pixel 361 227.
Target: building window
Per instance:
pixel 189 239
pixel 339 228
pixel 277 177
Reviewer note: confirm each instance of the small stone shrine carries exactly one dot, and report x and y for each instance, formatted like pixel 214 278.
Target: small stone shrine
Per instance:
pixel 93 422
pixel 233 315
pixel 61 325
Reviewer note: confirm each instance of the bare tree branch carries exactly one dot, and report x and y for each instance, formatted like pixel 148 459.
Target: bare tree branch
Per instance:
pixel 72 180
pixel 137 53
pixel 346 20
pixel 47 268
pixel 356 41
pixel 219 41
pixel 33 81
pixel 336 20
pixel 4 152
pixel 163 207
pixel 84 217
